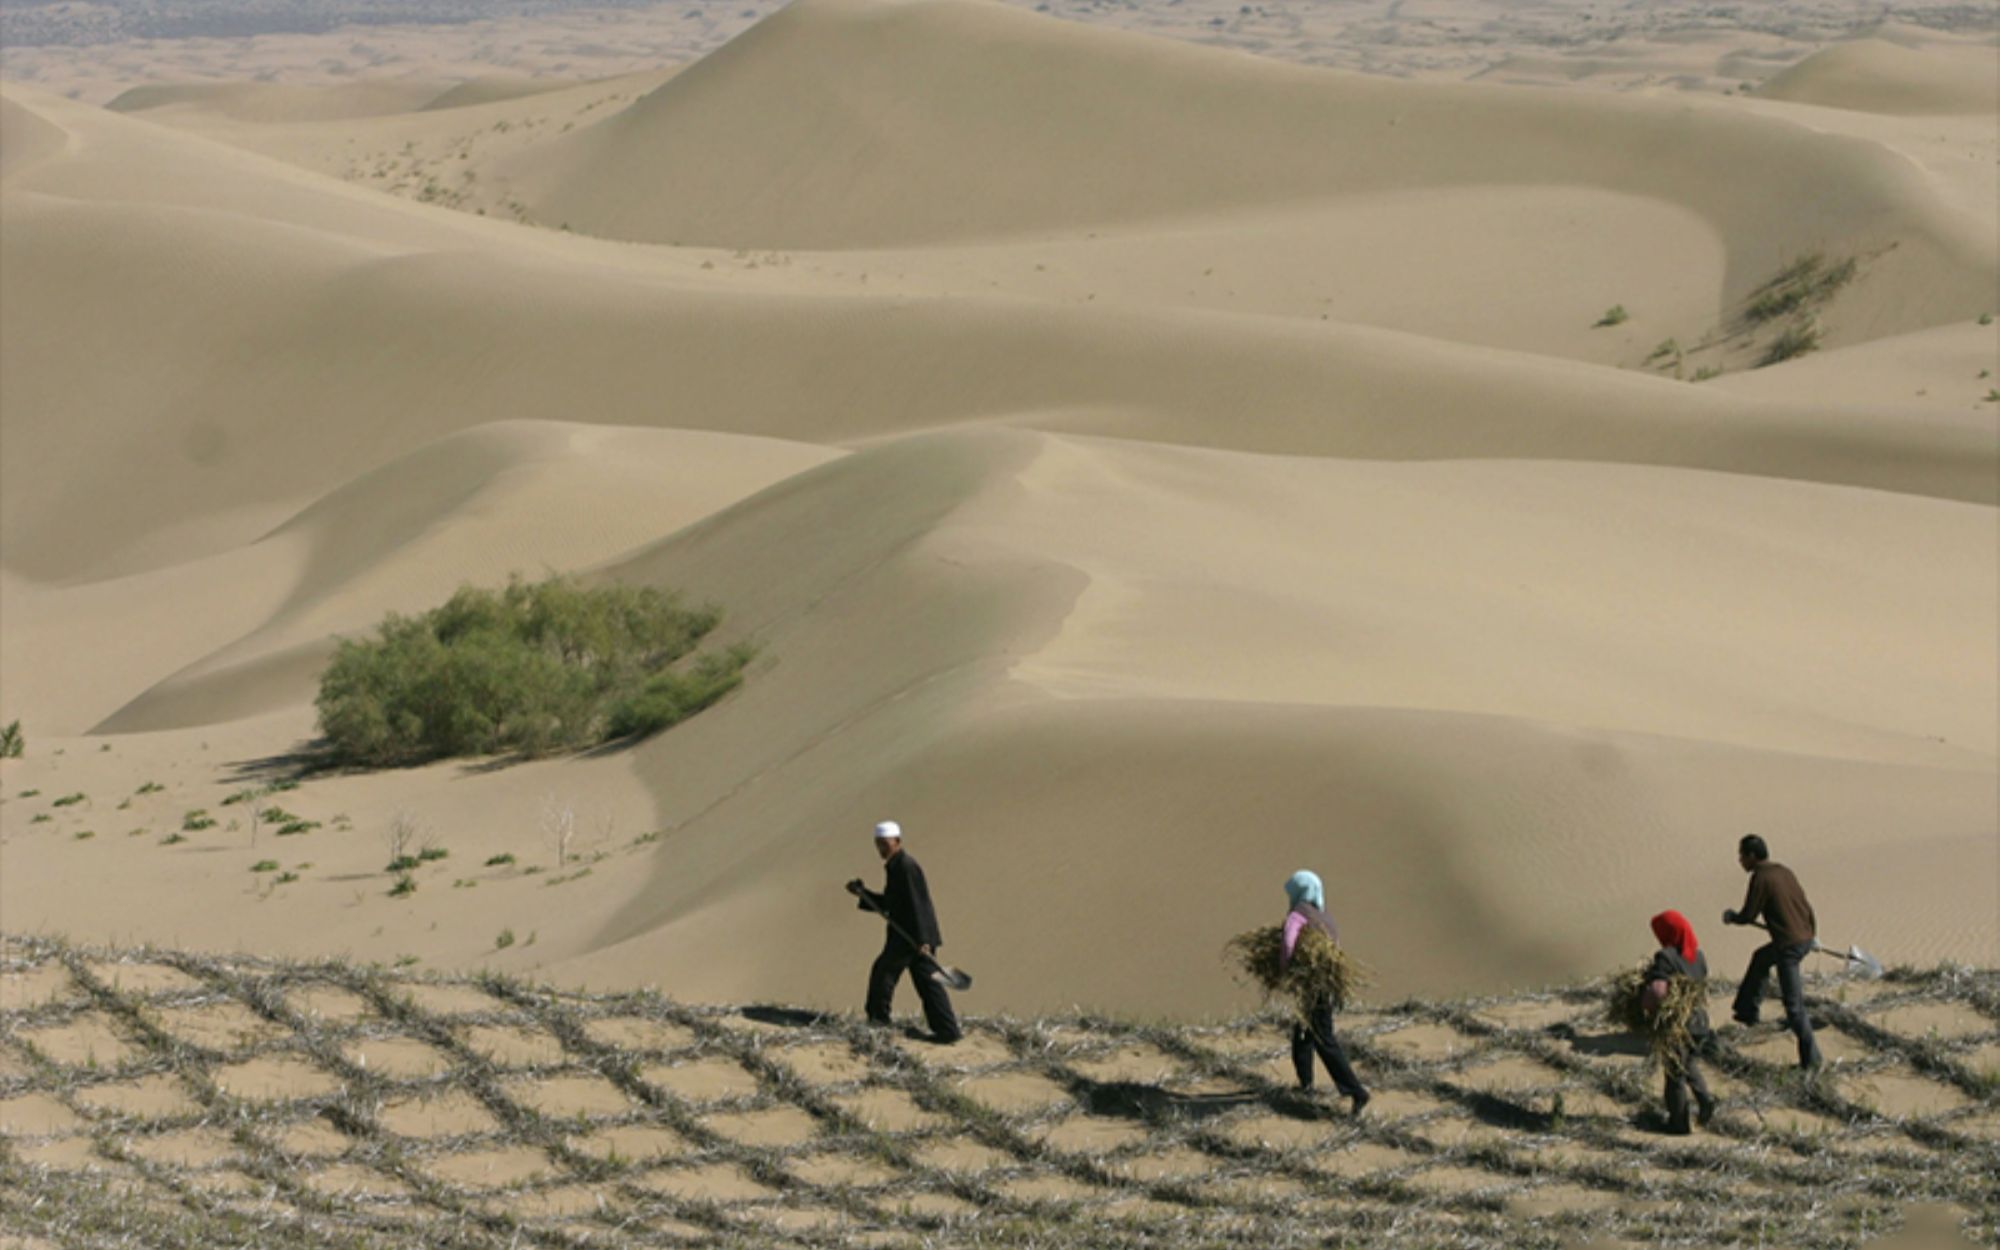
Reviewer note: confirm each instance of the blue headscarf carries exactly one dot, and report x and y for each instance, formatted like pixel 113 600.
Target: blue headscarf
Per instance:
pixel 1304 887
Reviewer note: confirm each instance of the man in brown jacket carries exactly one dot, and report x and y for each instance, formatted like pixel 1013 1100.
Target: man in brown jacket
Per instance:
pixel 1778 902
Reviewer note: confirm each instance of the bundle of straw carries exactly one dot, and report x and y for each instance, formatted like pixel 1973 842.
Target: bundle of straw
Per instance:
pixel 1666 1028
pixel 1318 968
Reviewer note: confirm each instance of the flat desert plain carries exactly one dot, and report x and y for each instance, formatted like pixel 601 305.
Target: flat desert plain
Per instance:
pixel 1494 457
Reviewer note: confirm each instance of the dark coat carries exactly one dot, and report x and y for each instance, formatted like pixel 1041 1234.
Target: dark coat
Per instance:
pixel 1668 964
pixel 906 897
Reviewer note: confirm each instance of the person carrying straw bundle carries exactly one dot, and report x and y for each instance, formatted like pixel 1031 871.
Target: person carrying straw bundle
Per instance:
pixel 1667 1000
pixel 1322 975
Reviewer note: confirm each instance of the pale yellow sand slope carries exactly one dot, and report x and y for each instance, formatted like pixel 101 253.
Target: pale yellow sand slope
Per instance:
pixel 1140 510
pixel 1877 76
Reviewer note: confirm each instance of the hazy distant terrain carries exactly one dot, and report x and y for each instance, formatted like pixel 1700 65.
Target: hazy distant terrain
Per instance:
pixel 90 50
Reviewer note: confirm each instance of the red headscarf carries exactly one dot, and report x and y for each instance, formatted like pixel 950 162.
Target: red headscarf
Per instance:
pixel 1673 930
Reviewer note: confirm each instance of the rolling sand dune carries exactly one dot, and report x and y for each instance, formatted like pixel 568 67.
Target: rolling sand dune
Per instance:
pixel 841 123
pixel 1878 76
pixel 1144 469
pixel 278 102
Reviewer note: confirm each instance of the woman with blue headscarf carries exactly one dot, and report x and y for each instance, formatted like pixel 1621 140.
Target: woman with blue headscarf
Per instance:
pixel 1315 1032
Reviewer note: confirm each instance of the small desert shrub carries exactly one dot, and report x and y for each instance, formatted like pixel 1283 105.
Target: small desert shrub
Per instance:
pixel 498 861
pixel 430 853
pixel 505 940
pixel 405 885
pixel 671 697
pixel 264 865
pixel 13 742
pixel 27 794
pixel 402 863
pixel 533 668
pixel 1985 319
pixel 1798 338
pixel 40 818
pixel 151 787
pixel 173 839
pixel 84 835
pixel 1317 968
pixel 1804 283
pixel 285 878
pixel 1706 372
pixel 197 820
pixel 1614 316
pixel 70 800
pixel 1667 348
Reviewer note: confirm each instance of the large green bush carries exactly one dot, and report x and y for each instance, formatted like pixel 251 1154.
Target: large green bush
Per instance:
pixel 534 668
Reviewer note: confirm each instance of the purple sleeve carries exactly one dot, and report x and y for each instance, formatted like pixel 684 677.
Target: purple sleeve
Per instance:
pixel 1295 924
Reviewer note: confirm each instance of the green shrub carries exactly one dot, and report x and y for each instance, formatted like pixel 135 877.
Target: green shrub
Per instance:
pixel 197 820
pixel 1614 316
pixel 430 853
pixel 1806 282
pixel 671 697
pixel 151 787
pixel 531 669
pixel 70 800
pixel 405 884
pixel 499 861
pixel 505 940
pixel 1797 339
pixel 13 742
pixel 264 865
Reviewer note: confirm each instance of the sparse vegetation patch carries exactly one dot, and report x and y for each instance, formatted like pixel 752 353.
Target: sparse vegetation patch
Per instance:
pixel 530 669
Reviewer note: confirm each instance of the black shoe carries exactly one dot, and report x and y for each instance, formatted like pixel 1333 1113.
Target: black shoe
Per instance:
pixel 1705 1113
pixel 1748 1022
pixel 1679 1128
pixel 1359 1101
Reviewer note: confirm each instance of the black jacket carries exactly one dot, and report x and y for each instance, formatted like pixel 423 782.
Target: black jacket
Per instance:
pixel 1668 964
pixel 907 899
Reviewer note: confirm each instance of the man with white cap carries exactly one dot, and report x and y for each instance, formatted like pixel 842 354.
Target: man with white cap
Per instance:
pixel 913 937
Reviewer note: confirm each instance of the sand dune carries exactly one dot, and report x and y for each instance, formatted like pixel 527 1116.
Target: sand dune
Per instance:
pixel 280 102
pixel 1144 469
pixel 936 110
pixel 1878 76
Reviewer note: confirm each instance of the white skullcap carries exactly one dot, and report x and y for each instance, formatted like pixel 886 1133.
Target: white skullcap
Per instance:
pixel 888 829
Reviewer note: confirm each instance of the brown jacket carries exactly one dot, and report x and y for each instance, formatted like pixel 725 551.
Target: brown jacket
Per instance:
pixel 1778 900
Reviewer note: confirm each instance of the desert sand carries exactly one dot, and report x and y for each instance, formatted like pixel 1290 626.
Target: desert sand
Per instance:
pixel 1147 467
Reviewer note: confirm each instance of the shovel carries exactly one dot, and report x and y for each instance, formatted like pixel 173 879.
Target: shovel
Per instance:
pixel 1859 962
pixel 944 973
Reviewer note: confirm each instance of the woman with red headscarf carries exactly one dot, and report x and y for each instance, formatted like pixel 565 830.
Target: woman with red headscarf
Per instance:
pixel 1680 956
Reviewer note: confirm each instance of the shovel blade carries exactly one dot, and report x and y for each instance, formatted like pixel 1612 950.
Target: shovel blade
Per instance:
pixel 951 978
pixel 1861 961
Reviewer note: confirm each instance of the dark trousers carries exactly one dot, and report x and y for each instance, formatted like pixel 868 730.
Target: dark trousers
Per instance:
pixel 1683 1074
pixel 1313 1035
pixel 1791 988
pixel 896 958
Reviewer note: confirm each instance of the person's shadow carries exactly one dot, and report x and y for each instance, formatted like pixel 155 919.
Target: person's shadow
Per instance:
pixel 1605 1044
